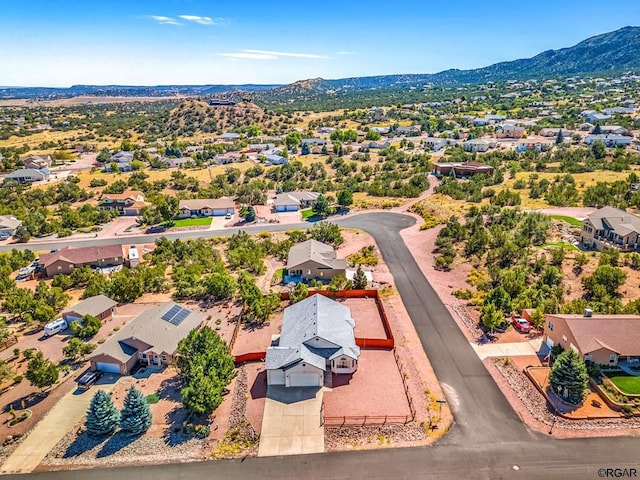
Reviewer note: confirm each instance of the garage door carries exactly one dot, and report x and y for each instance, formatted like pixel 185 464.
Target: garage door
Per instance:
pixel 304 380
pixel 549 342
pixel 108 367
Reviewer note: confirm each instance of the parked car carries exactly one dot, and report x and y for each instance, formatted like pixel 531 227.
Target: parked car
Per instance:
pixel 520 324
pixel 156 229
pixel 88 379
pixel 228 216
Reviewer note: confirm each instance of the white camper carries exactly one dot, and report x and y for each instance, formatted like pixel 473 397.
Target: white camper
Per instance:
pixel 54 327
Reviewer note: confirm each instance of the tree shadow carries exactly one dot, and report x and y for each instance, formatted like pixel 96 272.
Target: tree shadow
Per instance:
pixel 83 443
pixel 253 326
pixel 29 400
pixel 259 387
pixel 174 435
pixel 170 389
pixel 116 443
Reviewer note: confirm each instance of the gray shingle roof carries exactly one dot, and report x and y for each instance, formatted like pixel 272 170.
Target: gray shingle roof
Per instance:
pixel 317 252
pixel 92 305
pixel 148 328
pixel 7 221
pixel 295 198
pixel 212 203
pixel 316 317
pixel 610 218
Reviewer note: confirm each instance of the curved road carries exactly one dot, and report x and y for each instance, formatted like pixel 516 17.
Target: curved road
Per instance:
pixel 487 441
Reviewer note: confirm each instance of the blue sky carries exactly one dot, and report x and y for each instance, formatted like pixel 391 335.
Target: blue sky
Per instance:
pixel 143 42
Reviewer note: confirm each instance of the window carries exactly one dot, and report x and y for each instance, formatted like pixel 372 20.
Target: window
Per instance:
pixel 164 358
pixel 143 355
pixel 550 325
pixel 564 338
pixel 344 363
pixel 587 357
pixel 612 358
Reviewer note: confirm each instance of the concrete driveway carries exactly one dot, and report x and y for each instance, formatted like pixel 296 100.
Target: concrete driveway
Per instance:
pixel 291 422
pixel 56 424
pixel 513 349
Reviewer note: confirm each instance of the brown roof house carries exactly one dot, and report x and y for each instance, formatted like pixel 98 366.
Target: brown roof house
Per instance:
pixel 129 202
pixel 207 207
pixel 151 338
pixel 602 339
pixel 37 161
pixel 313 259
pixel 611 227
pixel 99 306
pixel 67 259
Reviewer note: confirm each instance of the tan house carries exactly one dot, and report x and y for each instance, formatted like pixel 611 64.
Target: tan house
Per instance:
pixel 602 339
pixel 611 227
pixel 68 259
pixel 151 338
pixel 206 207
pixel 99 306
pixel 313 259
pixel 510 131
pixel 37 162
pixel 128 203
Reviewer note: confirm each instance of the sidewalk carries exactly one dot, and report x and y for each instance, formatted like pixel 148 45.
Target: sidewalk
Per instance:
pixel 52 428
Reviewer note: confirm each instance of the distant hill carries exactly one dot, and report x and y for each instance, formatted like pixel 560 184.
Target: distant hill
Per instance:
pixel 608 53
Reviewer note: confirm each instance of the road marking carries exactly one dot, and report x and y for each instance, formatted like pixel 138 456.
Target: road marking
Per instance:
pixel 452 396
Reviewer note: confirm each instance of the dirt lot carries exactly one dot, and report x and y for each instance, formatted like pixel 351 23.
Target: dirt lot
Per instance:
pixel 365 313
pixel 257 338
pixel 374 389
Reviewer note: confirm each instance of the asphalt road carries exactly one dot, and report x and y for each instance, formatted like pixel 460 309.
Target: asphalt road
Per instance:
pixel 487 440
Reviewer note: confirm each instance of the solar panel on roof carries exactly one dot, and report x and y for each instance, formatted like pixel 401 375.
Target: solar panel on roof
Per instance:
pixel 180 316
pixel 171 312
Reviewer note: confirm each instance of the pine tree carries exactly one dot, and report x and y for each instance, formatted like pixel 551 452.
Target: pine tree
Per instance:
pixel 569 377
pixel 135 417
pixel 560 137
pixel 360 279
pixel 102 417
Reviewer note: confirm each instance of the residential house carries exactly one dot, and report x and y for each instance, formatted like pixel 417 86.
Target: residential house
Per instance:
pixel 411 131
pixel 533 144
pixel 99 306
pixel 226 158
pixel 615 130
pixel 8 225
pixel 602 339
pixel 122 157
pixel 194 149
pixel 610 140
pixel 618 110
pixel 315 142
pixel 317 339
pixel 381 130
pixel 435 143
pixel 593 116
pixel 373 145
pixel 230 136
pixel 206 207
pixel 510 131
pixel 273 159
pixel 586 127
pixel 313 259
pixel 293 201
pixel 150 338
pixel 611 227
pixel 327 130
pixel 476 145
pixel 260 147
pixel 181 162
pixel 128 203
pixel 37 162
pixel 27 175
pixel 553 132
pixel 68 258
pixel 461 169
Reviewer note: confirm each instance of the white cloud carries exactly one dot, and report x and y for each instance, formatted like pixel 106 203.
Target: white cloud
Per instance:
pixel 203 20
pixel 247 56
pixel 162 20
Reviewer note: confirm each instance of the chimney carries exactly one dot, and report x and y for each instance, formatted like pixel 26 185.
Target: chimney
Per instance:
pixel 588 312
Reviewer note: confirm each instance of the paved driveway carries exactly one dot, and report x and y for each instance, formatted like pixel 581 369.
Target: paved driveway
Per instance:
pixel 291 422
pixel 56 424
pixel 514 349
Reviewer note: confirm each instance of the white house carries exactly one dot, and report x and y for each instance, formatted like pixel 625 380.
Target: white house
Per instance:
pixel 476 145
pixel 317 337
pixel 25 175
pixel 435 143
pixel 608 140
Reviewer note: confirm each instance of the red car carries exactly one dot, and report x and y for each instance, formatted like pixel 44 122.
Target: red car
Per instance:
pixel 520 324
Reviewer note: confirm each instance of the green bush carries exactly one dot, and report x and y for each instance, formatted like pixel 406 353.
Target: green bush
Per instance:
pixel 17 379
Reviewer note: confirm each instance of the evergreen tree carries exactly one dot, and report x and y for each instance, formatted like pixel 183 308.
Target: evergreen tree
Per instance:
pixel 360 279
pixel 597 129
pixel 321 206
pixel 135 417
pixel 560 137
pixel 569 377
pixel 102 417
